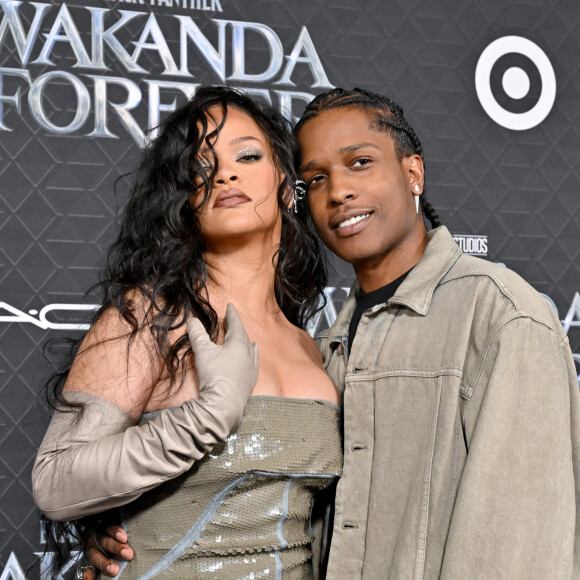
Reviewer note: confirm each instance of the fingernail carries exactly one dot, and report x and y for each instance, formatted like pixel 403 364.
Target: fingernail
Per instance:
pixel 112 569
pixel 126 553
pixel 120 536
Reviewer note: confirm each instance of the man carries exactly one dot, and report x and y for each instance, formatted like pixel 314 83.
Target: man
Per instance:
pixel 460 396
pixel 461 403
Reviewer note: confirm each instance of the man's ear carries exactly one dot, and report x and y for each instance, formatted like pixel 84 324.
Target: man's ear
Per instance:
pixel 415 172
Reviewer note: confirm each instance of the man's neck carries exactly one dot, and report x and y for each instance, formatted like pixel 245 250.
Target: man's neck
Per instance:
pixel 382 270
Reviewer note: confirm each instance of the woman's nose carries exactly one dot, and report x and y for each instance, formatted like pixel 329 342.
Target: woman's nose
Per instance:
pixel 224 174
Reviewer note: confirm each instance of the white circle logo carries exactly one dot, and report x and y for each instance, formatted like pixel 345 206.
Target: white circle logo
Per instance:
pixel 515 83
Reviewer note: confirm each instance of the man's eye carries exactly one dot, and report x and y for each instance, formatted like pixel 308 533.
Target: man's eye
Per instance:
pixel 362 162
pixel 314 180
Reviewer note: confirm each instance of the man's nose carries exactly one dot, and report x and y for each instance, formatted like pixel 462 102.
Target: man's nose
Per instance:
pixel 341 189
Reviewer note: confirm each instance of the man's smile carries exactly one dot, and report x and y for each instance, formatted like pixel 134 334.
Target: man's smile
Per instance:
pixel 349 222
pixel 353 220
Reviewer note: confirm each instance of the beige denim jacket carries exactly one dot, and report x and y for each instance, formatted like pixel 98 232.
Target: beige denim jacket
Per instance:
pixel 461 423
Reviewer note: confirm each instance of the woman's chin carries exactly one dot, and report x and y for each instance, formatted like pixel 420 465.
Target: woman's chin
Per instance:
pixel 259 238
pixel 243 231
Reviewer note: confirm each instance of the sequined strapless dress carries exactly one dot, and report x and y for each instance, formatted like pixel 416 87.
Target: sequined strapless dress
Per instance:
pixel 243 511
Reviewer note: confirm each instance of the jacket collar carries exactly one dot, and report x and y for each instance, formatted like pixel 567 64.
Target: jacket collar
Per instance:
pixel 417 289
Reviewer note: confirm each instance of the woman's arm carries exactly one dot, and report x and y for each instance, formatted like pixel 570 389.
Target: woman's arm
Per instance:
pixel 103 460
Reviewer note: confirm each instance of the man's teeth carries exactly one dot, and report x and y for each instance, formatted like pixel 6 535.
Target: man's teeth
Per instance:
pixel 353 220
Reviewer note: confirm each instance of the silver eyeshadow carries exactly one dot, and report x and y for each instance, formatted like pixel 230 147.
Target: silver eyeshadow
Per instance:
pixel 246 151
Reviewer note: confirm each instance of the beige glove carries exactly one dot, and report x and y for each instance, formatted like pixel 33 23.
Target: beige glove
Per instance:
pixel 226 374
pixel 103 461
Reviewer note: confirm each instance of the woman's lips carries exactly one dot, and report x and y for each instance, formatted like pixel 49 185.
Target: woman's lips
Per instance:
pixel 231 198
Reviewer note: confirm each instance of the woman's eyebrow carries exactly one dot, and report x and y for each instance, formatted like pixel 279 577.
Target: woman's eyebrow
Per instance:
pixel 243 139
pixel 235 141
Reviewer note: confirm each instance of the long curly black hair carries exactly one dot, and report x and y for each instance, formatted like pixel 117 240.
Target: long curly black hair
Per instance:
pixel 159 251
pixel 387 115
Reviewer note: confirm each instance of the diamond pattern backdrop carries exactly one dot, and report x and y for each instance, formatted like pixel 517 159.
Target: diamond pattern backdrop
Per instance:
pixel 57 200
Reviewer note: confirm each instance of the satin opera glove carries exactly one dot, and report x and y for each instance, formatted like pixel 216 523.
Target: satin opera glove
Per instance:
pixel 103 460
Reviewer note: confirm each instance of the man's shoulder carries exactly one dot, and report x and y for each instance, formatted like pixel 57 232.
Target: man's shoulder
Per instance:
pixel 495 282
pixel 321 338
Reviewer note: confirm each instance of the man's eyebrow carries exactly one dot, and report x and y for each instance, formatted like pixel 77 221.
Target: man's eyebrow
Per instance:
pixel 308 166
pixel 356 146
pixel 341 151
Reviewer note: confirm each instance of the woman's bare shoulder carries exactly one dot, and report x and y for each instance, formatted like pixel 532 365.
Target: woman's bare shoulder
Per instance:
pixel 309 345
pixel 118 362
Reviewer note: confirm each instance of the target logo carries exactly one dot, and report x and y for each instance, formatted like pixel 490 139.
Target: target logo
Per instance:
pixel 515 83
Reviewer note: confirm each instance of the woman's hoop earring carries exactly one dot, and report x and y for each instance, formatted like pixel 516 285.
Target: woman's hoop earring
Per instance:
pixel 299 193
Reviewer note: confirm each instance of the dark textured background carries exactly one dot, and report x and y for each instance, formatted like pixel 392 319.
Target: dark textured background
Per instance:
pixel 57 205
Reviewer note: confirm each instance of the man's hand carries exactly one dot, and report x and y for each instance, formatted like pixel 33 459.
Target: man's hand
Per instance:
pixel 115 542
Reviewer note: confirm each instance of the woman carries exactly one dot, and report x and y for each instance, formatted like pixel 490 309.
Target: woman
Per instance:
pixel 210 221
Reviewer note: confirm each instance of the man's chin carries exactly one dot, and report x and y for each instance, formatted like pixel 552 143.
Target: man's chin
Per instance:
pixel 349 250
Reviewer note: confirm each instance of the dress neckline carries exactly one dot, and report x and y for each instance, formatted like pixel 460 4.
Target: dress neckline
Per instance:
pixel 273 398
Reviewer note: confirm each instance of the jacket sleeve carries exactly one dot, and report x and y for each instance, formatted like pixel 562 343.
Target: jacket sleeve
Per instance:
pixel 516 513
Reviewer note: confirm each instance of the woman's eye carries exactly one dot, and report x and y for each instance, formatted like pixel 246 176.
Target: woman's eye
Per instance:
pixel 249 157
pixel 204 166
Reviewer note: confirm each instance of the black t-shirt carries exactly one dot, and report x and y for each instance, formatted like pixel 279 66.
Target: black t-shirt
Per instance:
pixel 366 300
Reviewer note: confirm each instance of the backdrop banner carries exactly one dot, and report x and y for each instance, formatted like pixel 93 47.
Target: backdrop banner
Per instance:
pixel 491 88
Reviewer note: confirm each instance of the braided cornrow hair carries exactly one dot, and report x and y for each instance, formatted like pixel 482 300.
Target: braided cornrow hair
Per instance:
pixel 389 118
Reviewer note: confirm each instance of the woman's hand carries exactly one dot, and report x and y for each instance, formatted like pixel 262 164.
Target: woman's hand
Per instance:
pixel 227 374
